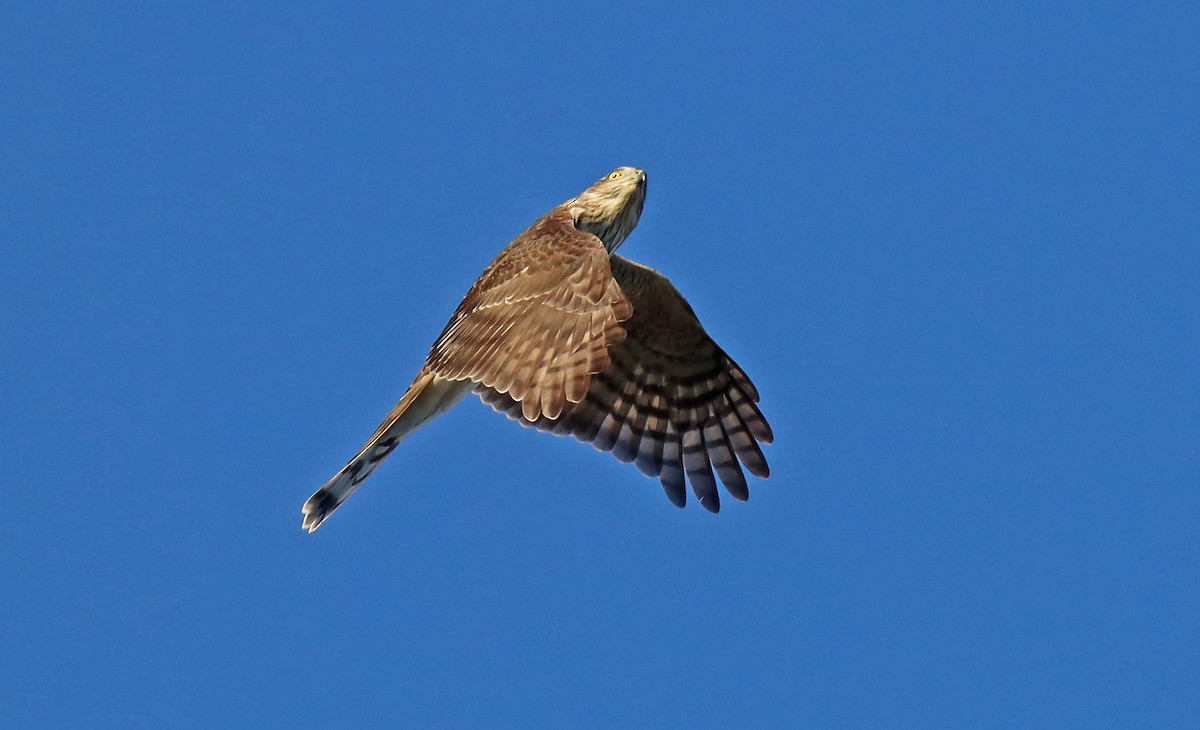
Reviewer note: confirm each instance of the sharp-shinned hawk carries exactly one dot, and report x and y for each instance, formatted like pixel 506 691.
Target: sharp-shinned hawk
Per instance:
pixel 561 334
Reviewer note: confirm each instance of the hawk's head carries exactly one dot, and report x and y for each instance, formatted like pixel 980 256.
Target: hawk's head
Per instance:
pixel 610 208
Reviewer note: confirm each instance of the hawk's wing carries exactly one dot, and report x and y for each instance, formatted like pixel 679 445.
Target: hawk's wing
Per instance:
pixel 669 399
pixel 539 322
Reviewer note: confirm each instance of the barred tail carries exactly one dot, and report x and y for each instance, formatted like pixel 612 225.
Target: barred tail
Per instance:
pixel 427 397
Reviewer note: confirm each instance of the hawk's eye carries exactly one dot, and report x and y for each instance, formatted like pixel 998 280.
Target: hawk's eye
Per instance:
pixel 614 175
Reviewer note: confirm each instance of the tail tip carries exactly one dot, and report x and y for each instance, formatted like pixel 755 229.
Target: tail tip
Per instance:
pixel 318 508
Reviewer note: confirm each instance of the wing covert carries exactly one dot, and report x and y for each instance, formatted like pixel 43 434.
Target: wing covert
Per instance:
pixel 539 321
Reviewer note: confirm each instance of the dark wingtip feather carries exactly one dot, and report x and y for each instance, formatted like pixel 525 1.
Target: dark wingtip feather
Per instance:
pixel 676 493
pixel 699 470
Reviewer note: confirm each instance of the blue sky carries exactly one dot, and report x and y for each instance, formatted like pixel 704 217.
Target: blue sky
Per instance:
pixel 954 246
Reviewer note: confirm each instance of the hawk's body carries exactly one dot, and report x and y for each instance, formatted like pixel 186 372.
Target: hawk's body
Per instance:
pixel 563 335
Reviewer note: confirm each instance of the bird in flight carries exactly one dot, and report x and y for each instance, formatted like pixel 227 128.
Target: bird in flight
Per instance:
pixel 562 335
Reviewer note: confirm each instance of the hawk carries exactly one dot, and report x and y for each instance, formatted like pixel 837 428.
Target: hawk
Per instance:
pixel 562 335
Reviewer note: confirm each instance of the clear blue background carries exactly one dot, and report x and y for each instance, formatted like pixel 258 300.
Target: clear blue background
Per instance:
pixel 956 248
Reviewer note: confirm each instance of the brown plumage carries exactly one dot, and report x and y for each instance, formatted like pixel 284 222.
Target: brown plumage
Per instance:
pixel 564 336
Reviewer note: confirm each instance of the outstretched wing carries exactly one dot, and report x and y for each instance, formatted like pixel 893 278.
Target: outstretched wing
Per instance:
pixel 669 399
pixel 539 322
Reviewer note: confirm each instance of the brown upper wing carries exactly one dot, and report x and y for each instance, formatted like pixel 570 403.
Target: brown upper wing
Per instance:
pixel 539 322
pixel 669 399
